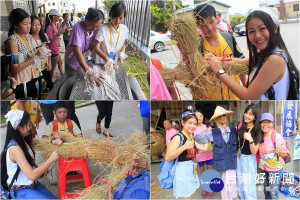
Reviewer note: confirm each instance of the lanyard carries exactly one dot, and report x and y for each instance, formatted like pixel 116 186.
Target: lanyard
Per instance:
pixel 37 45
pixel 25 44
pixel 244 138
pixel 110 35
pixel 266 144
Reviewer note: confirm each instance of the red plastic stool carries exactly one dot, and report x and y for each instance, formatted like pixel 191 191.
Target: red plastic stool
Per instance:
pixel 68 165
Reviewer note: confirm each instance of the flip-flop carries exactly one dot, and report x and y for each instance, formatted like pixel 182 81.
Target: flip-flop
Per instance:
pixel 107 134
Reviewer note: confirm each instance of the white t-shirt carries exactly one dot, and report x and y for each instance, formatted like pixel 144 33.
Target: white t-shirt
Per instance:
pixel 103 36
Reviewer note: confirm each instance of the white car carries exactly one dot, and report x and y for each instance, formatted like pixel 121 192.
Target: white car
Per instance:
pixel 158 41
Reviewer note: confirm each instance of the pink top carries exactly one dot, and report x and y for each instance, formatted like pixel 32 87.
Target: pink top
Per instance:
pixel 54 45
pixel 158 89
pixel 169 135
pixel 206 155
pixel 279 141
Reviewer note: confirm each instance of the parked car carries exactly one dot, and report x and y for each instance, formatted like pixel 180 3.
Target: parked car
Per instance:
pixel 240 29
pixel 158 41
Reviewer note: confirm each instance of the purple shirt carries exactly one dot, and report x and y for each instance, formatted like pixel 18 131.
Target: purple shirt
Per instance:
pixel 79 37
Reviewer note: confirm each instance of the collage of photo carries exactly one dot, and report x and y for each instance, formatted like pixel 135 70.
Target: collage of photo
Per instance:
pixel 150 99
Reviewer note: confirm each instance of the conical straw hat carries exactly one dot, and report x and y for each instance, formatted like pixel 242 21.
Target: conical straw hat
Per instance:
pixel 219 111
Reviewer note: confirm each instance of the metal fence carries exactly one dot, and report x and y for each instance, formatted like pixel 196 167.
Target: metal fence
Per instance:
pixel 138 22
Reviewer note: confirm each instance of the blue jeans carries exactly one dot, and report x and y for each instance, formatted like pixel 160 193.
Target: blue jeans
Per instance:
pixel 39 192
pixel 246 171
pixel 271 184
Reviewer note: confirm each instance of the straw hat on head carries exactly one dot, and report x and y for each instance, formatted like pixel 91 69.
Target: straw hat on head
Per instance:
pixel 219 111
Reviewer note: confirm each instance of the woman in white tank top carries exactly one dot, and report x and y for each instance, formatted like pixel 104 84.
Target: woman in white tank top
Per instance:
pixel 18 153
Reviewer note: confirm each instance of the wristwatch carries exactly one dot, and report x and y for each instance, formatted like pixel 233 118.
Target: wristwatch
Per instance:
pixel 220 72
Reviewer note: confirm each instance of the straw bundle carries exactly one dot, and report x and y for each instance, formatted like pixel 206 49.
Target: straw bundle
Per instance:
pixel 194 70
pixel 100 190
pixel 132 152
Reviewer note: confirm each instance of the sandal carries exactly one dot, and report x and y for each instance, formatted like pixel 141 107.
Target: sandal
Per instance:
pixel 210 195
pixel 107 134
pixel 203 193
pixel 98 128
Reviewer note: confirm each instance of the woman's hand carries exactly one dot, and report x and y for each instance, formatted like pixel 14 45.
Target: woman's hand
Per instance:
pixel 213 62
pixel 188 144
pixel 49 66
pixel 247 136
pixel 54 156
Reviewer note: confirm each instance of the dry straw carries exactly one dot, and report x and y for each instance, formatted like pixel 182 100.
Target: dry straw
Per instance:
pixel 193 70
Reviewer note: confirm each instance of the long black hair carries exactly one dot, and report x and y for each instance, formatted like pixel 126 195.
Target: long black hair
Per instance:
pixel 275 40
pixel 258 137
pixel 15 135
pixel 48 22
pixel 41 33
pixel 15 17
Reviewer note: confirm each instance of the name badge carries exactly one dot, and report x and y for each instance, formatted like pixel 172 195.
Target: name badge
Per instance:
pixel 112 55
pixel 36 70
pixel 44 64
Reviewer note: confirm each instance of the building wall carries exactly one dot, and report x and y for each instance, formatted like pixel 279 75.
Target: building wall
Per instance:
pixel 289 8
pixel 222 9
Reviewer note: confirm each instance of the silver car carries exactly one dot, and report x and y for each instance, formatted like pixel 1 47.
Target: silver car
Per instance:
pixel 158 41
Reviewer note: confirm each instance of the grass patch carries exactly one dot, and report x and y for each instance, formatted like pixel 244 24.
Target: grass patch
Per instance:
pixel 174 42
pixel 3 119
pixel 137 68
pixel 77 102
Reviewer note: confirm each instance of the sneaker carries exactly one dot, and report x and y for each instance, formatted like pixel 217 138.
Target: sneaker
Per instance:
pixel 203 193
pixel 210 195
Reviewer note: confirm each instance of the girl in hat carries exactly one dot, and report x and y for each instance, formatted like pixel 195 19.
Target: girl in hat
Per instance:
pixel 271 153
pixel 53 34
pixel 186 180
pixel 249 138
pixel 204 134
pixel 270 64
pixel 18 154
pixel 225 151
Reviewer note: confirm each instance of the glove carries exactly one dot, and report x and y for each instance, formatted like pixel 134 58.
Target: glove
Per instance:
pixel 94 76
pixel 122 57
pixel 87 53
pixel 110 66
pixel 42 53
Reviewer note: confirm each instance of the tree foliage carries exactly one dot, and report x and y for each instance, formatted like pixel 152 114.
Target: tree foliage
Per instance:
pixel 162 12
pixel 108 4
pixel 236 20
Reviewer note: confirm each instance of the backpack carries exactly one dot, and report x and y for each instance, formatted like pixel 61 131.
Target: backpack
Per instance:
pixel 167 173
pixel 294 92
pixel 135 186
pixel 55 125
pixel 6 106
pixel 5 189
pixel 287 158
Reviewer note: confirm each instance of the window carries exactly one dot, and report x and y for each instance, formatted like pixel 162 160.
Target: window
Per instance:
pixel 53 4
pixel 49 4
pixel 296 7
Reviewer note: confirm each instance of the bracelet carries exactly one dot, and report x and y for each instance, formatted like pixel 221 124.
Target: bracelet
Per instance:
pixel 251 142
pixel 57 34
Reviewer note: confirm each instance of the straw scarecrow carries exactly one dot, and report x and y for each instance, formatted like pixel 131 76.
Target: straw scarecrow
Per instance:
pixel 193 70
